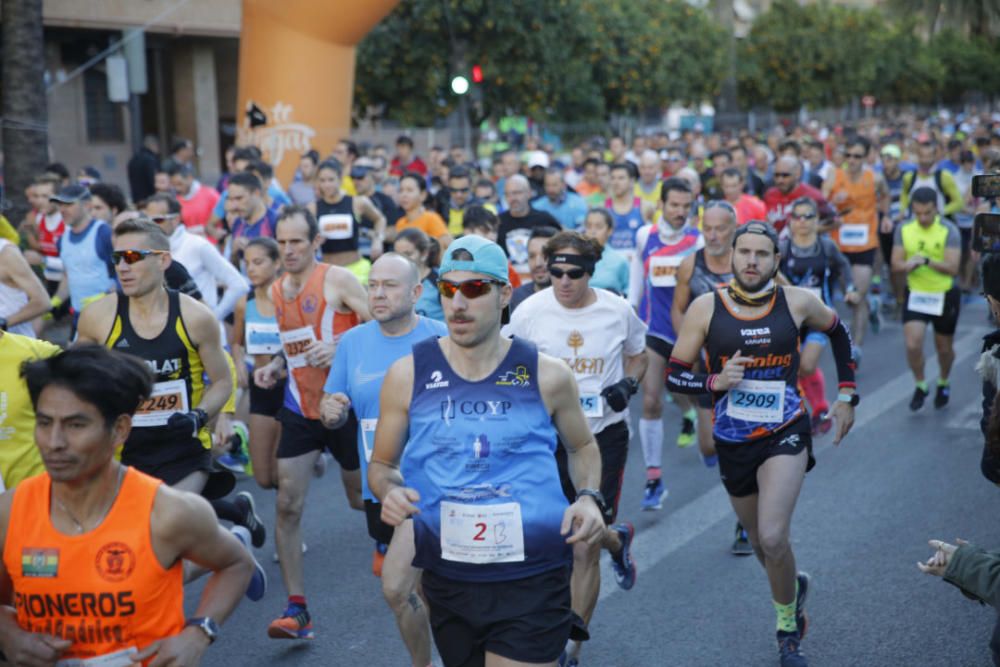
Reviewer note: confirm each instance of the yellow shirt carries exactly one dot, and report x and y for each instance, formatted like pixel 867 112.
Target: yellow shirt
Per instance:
pixel 347 185
pixel 19 458
pixel 8 232
pixel 652 197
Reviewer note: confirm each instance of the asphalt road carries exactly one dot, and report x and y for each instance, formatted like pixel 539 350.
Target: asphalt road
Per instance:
pixel 862 522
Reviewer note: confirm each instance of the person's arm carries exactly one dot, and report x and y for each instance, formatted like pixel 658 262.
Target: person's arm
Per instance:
pixel 225 274
pixel 349 291
pixel 335 405
pixel 636 282
pixel 367 210
pixel 953 195
pixel 559 393
pixel 236 340
pixel 384 477
pixel 682 291
pixel 25 280
pixel 184 527
pixel 952 253
pixel 96 320
pixel 882 195
pixel 842 268
pixel 205 336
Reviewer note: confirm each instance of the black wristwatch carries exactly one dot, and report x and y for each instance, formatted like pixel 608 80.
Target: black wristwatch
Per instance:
pixel 202 417
pixel 850 399
pixel 206 625
pixel 598 498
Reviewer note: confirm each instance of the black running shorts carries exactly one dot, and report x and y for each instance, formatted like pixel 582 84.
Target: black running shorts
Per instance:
pixel 267 402
pixel 945 323
pixel 300 435
pixel 378 530
pixel 613 443
pixel 739 461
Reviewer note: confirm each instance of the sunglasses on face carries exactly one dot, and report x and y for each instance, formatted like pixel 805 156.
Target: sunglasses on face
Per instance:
pixel 133 256
pixel 470 289
pixel 459 189
pixel 574 274
pixel 782 174
pixel 163 218
pixel 856 156
pixel 803 216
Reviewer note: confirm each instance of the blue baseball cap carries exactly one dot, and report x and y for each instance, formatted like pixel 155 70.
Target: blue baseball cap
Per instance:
pixel 487 258
pixel 71 194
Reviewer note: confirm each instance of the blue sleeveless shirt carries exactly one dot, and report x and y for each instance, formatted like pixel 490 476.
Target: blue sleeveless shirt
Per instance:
pixel 482 456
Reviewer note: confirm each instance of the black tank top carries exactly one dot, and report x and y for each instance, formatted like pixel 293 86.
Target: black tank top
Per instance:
pixel 337 225
pixel 812 272
pixel 768 398
pixel 179 377
pixel 703 279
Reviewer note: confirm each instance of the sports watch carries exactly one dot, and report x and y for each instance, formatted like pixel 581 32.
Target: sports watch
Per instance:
pixel 598 498
pixel 850 399
pixel 206 625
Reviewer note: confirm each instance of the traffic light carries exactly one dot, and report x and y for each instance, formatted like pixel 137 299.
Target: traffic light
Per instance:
pixel 460 85
pixel 477 74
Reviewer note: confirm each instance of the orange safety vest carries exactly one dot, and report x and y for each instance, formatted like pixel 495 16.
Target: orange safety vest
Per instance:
pixel 860 229
pixel 308 309
pixel 104 590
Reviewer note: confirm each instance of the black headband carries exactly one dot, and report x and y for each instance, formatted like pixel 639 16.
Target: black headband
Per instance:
pixel 584 262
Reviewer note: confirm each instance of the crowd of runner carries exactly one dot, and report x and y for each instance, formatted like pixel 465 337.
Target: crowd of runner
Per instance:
pixel 463 336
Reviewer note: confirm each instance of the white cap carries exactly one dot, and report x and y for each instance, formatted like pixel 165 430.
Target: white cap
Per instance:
pixel 538 159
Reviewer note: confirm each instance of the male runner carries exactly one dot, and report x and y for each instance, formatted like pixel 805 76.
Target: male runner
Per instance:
pixel 861 194
pixel 314 303
pixel 626 209
pixel 603 342
pixel 653 277
pixel 364 355
pixel 479 416
pixel 815 263
pixel 92 548
pixel 22 294
pixel 179 340
pixel 892 173
pixel 788 187
pixel 928 250
pixel 85 250
pixel 750 331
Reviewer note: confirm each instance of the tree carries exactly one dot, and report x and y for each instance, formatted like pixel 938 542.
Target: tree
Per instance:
pixel 977 17
pixel 972 64
pixel 23 105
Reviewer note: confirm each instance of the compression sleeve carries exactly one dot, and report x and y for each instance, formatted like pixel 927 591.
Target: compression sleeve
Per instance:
pixel 843 347
pixel 682 380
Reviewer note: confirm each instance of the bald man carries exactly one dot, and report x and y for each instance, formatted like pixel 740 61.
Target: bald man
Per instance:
pixel 518 221
pixel 788 187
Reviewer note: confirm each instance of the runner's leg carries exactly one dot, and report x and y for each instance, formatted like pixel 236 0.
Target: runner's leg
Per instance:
pixel 946 354
pixel 294 474
pixel 780 479
pixel 265 432
pixel 401 588
pixel 913 335
pixel 352 488
pixel 861 274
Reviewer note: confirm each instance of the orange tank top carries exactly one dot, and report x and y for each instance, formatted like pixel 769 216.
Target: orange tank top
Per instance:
pixel 301 320
pixel 860 229
pixel 104 590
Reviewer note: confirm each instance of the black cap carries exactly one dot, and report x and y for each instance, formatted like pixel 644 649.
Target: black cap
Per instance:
pixel 71 194
pixel 758 227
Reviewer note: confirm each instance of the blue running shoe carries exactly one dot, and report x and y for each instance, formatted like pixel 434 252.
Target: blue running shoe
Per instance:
pixel 258 582
pixel 622 562
pixel 236 463
pixel 788 650
pixel 801 619
pixel 653 495
pixel 741 543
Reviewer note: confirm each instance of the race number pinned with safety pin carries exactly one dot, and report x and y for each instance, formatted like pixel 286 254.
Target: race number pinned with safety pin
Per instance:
pixel 928 303
pixel 295 344
pixel 482 534
pixel 166 399
pixel 759 401
pixel 854 236
pixel 663 270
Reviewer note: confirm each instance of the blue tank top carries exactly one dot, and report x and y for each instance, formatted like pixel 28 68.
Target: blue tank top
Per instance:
pixel 482 456
pixel 260 333
pixel 627 226
pixel 659 268
pixel 87 274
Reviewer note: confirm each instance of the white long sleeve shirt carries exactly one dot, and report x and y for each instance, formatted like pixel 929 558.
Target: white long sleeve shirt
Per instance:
pixel 209 270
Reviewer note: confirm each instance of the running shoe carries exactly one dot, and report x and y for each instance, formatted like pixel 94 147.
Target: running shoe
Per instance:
pixel 801 619
pixel 941 396
pixel 622 562
pixel 378 558
pixel 741 544
pixel 236 462
pixel 687 435
pixel 653 495
pixel 250 521
pixel 919 395
pixel 277 559
pixel 295 623
pixel 258 582
pixel 821 423
pixel 788 650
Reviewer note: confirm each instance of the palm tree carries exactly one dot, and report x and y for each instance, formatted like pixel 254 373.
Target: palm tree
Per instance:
pixel 977 17
pixel 23 107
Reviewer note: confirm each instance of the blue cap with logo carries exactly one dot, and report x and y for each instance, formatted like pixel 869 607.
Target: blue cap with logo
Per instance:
pixel 487 257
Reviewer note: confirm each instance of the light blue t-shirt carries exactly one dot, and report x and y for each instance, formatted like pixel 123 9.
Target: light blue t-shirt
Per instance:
pixel 570 212
pixel 611 272
pixel 429 303
pixel 364 354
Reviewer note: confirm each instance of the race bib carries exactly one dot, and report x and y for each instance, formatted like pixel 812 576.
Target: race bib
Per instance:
pixel 592 404
pixel 368 437
pixel 854 235
pixel 928 303
pixel 167 398
pixel 263 338
pixel 757 401
pixel 336 226
pixel 482 534
pixel 295 344
pixel 121 658
pixel 663 270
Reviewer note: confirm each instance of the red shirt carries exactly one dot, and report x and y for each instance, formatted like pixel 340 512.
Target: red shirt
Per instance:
pixel 779 205
pixel 749 208
pixel 196 209
pixel 417 165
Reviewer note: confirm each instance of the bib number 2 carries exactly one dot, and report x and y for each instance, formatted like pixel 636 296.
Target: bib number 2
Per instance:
pixel 482 534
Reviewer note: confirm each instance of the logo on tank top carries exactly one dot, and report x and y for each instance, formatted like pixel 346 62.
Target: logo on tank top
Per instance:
pixel 115 561
pixel 164 366
pixel 575 341
pixel 310 303
pixel 474 410
pixel 480 452
pixel 519 377
pixel 37 562
pixel 437 381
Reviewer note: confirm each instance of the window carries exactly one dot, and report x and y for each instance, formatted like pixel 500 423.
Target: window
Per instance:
pixel 104 117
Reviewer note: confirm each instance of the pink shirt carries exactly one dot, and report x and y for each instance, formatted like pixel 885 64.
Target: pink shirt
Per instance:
pixel 750 208
pixel 196 208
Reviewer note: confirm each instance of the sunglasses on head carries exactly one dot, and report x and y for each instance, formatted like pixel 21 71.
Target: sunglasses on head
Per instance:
pixel 133 256
pixel 470 289
pixel 574 274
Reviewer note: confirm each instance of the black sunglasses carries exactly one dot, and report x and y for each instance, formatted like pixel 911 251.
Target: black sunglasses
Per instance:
pixel 459 189
pixel 803 216
pixel 470 289
pixel 133 256
pixel 856 156
pixel 574 274
pixel 781 174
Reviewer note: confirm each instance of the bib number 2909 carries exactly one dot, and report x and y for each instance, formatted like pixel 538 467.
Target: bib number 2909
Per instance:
pixel 757 401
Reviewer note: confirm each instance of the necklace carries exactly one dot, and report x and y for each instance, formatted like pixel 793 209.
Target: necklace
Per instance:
pixel 77 522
